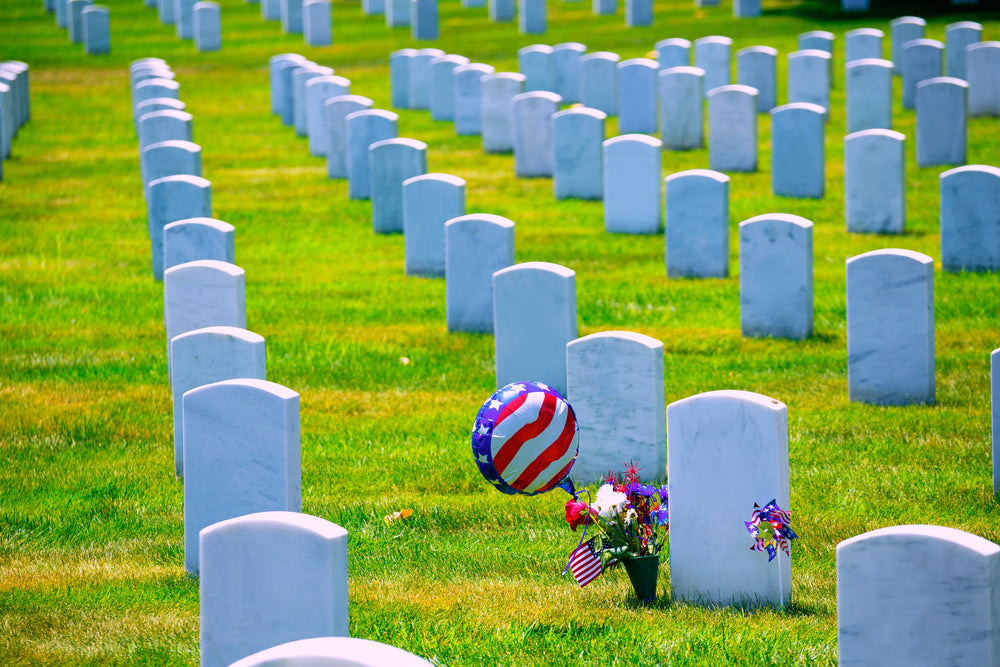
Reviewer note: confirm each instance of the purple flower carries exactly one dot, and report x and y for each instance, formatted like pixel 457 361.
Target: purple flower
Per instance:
pixel 660 516
pixel 640 490
pixel 663 493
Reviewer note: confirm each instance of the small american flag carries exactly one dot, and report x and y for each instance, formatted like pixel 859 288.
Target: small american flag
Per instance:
pixel 585 564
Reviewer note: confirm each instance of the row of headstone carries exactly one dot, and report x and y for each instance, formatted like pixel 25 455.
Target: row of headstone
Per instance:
pixel 15 105
pixel 197 20
pixel 310 18
pixel 85 23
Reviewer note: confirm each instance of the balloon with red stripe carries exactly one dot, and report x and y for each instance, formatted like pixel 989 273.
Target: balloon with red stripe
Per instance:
pixel 525 438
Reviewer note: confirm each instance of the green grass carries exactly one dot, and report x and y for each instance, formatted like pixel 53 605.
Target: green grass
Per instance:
pixel 91 517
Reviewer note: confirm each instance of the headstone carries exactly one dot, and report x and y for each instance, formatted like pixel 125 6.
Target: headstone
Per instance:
pixel 875 182
pixel 615 384
pixel 166 125
pixel 399 77
pixel 902 30
pixel 279 93
pixel 566 70
pixel 862 43
pixel 193 239
pixel 170 199
pixel 497 127
pixel 696 215
pixel 183 18
pixel 604 7
pixel 286 75
pixel 10 101
pixel 632 182
pixel 501 11
pixel 532 130
pixel 363 129
pixel 336 110
pixel 531 17
pixel 746 8
pixel 638 13
pixel 241 456
pixel 682 108
pixel 637 96
pixel 957 37
pixel 534 317
pixel 468 97
pixel 535 63
pixel 732 128
pixel 578 137
pixel 970 219
pixel 982 62
pixel 854 5
pixel 921 61
pixel 798 158
pixel 170 158
pixel 74 15
pixel 476 246
pixel 300 77
pixel 331 652
pixel 270 10
pixel 269 578
pixel 473 3
pixel 429 201
pixel 809 78
pixel 890 328
pixel 316 22
pixel 442 100
pixel 711 54
pixel 424 19
pixel 420 77
pixel 673 52
pixel 96 30
pixel 291 17
pixel 21 69
pixel 776 277
pixel 941 121
pixel 819 40
pixel 318 90
pixel 62 20
pixel 397 13
pixel 599 81
pixel 392 161
pixel 728 450
pixel 373 7
pixel 869 95
pixel 150 88
pixel 756 66
pixel 203 293
pixel 894 584
pixel 203 356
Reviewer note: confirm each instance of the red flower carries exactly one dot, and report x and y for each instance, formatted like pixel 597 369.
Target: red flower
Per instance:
pixel 577 513
pixel 631 473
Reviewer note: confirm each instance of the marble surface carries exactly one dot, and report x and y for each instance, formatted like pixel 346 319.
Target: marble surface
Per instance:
pixel 74 19
pixel 399 77
pixel 424 19
pixel 696 224
pixel 302 75
pixel 336 110
pixel 862 43
pixel 208 355
pixel 869 95
pixel 291 17
pixel 443 86
pixel 332 652
pixel 615 385
pixel 957 37
pixel 632 184
pixel 890 328
pixel 918 595
pixel 534 317
pixel 269 578
pixel 365 128
pixel 468 97
pixel 170 199
pixel 318 90
pixel 147 89
pixel 902 30
pixel 497 127
pixel 821 40
pixel 429 201
pixel 279 91
pixel 746 8
pixel 500 11
pixel 637 96
pixel 373 7
pixel 156 127
pixel 535 63
pixel 476 246
pixel 532 133
pixel 732 128
pixel 170 158
pixel 638 13
pixel 183 18
pixel 970 219
pixel 982 62
pixel 682 124
pixel 420 77
pixel 96 30
pixel 776 276
pixel 397 13
pixel 798 151
pixel 578 153
pixel 673 52
pixel 566 70
pixel 727 451
pixel 604 7
pixel 241 455
pixel 286 73
pixel 599 82
pixel 809 77
pixel 531 17
pixel 756 66
pixel 922 60
pixel 193 239
pixel 875 182
pixel 712 55
pixel 391 162
pixel 201 294
pixel 942 104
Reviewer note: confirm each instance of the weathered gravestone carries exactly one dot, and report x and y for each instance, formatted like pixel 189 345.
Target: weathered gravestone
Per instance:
pixel 497 125
pixel 957 38
pixel 316 22
pixel 756 66
pixel 170 158
pixel 399 77
pixel 696 224
pixel 918 595
pixel 332 652
pixel 531 17
pixel 442 100
pixel 776 276
pixel 599 81
pixel 318 90
pixel 875 182
pixel 682 108
pixel 637 96
pixel 638 13
pixel 336 110
pixel 468 97
pixel 869 95
pixel 941 105
pixel 615 383
pixel 74 16
pixel 673 52
pixel 732 128
pixel 535 63
pixel 365 128
pixel 173 198
pixel 534 317
pixel 268 578
pixel 203 356
pixel 203 293
pixel 424 19
pixel 798 160
pixel 577 139
pixel 566 70
pixel 982 62
pixel 476 246
pixel 632 182
pixel 809 78
pixel 301 76
pixel 96 30
pixel 193 239
pixel 291 17
pixel 728 451
pixel 241 455
pixel 711 54
pixel 970 219
pixel 183 18
pixel 420 77
pixel 862 43
pixel 391 162
pixel 921 61
pixel 902 30
pixel 429 201
pixel 890 328
pixel 532 133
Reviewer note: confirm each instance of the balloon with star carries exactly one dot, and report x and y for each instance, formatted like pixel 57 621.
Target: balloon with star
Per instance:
pixel 525 438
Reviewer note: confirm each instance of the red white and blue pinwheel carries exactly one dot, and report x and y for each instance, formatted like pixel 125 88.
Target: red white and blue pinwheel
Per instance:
pixel 769 527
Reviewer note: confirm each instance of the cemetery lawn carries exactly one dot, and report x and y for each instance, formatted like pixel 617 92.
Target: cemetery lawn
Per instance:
pixel 91 516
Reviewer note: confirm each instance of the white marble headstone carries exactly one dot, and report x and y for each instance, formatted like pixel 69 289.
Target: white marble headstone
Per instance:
pixel 941 105
pixel 875 182
pixel 535 63
pixel 192 239
pixel 532 133
pixel 696 224
pixel 566 70
pixel 392 161
pixel 732 128
pixel 637 91
pixel 862 43
pixel 922 60
pixel 365 128
pixel 982 62
pixel 399 77
pixel 682 108
pixel 970 218
pixel 173 198
pixel 756 66
pixel 902 30
pixel 201 294
pixel 420 77
pixel 673 52
pixel 318 90
pixel 207 21
pixel 712 55
pixel 443 86
pixel 578 153
pixel 632 184
pixel 798 150
pixel 429 201
pixel 599 81
pixel 869 95
pixel 957 37
pixel 497 127
pixel 468 97
pixel 809 77
pixel 476 246
pixel 332 652
pixel 336 110
pixel 316 22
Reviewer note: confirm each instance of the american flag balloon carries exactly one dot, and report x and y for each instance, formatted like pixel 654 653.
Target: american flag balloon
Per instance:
pixel 525 438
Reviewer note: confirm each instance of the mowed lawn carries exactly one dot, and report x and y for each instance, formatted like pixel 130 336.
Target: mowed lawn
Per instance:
pixel 91 514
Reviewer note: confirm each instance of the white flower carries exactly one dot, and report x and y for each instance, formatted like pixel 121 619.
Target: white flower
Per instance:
pixel 609 502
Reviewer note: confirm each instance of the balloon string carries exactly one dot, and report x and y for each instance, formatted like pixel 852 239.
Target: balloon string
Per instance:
pixel 582 537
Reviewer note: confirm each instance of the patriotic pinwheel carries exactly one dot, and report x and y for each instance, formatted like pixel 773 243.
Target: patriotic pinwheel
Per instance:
pixel 769 527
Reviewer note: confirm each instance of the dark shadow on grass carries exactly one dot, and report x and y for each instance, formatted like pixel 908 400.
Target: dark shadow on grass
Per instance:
pixel 829 10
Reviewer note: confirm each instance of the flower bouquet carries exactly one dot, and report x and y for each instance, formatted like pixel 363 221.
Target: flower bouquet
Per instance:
pixel 631 522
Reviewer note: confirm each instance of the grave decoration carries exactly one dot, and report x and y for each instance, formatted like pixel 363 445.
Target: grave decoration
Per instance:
pixel 769 527
pixel 627 515
pixel 525 438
